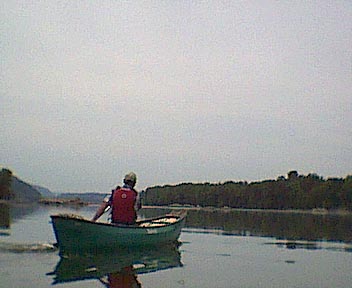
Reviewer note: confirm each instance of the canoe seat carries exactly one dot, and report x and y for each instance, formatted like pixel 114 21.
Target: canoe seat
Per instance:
pixel 165 220
pixel 151 224
pixel 158 222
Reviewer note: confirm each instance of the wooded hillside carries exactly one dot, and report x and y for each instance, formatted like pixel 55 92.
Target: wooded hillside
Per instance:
pixel 292 192
pixel 12 188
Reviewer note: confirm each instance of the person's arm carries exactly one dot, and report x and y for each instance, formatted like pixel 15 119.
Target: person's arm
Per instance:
pixel 100 211
pixel 103 207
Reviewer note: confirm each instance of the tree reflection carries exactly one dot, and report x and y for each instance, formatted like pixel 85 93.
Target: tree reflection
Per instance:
pixel 281 225
pixel 4 215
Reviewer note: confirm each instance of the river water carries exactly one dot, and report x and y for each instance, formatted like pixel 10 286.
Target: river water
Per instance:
pixel 218 249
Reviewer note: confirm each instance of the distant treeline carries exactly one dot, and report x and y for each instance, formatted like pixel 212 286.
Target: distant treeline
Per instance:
pixel 292 192
pixel 88 197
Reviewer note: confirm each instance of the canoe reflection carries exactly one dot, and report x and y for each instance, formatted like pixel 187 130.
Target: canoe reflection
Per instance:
pixel 116 268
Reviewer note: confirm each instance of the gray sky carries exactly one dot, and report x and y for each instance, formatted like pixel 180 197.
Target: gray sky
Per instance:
pixel 177 91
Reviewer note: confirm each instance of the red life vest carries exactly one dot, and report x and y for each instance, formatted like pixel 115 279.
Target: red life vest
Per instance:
pixel 123 206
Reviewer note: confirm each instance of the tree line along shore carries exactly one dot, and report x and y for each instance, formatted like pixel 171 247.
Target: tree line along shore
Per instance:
pixel 293 192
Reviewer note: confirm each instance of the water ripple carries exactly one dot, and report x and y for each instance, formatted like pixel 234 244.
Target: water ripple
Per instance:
pixel 27 248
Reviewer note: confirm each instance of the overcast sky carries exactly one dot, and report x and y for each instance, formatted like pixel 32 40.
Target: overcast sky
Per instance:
pixel 177 91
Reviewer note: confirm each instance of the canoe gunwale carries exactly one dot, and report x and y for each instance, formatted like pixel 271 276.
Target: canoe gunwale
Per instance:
pixel 179 216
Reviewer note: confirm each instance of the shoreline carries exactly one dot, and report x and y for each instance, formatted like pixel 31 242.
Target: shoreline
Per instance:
pixel 79 203
pixel 316 211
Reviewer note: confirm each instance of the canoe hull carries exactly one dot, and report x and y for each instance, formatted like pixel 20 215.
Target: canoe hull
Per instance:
pixel 74 234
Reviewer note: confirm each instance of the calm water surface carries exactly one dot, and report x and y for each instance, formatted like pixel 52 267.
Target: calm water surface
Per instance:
pixel 219 249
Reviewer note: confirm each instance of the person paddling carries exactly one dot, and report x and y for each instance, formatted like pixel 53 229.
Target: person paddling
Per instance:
pixel 124 202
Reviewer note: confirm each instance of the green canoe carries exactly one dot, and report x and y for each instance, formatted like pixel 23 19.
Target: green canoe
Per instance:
pixel 74 233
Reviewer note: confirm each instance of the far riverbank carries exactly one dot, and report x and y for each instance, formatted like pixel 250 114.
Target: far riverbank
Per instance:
pixel 229 209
